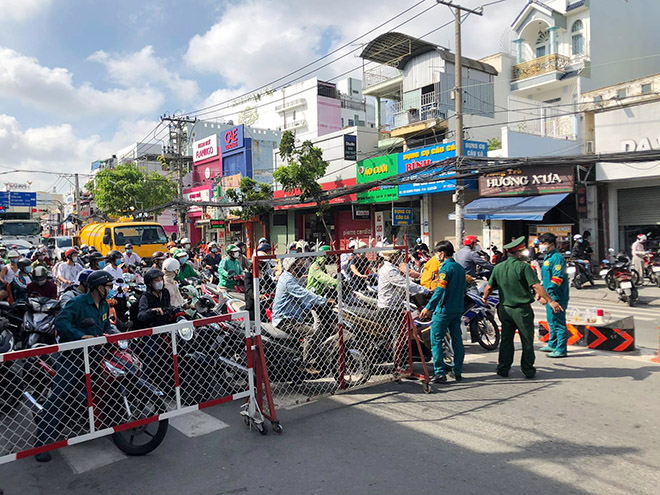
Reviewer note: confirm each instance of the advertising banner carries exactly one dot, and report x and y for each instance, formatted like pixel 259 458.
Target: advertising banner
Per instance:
pixel 402 216
pixel 533 181
pixel 233 139
pixel 205 148
pixel 373 169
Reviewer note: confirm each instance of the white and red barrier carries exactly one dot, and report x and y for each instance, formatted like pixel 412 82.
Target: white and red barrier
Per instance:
pixel 163 372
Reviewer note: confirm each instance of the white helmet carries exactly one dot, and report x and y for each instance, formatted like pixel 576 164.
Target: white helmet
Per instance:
pixel 352 244
pixel 185 240
pixel 577 237
pixel 641 237
pixel 212 244
pixel 171 265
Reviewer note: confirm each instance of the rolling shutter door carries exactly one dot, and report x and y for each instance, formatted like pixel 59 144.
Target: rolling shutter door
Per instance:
pixel 639 206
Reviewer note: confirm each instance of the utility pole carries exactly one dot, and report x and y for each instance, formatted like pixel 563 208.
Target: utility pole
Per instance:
pixel 177 141
pixel 76 194
pixel 459 197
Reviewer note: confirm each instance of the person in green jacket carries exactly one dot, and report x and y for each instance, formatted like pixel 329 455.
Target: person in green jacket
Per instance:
pixel 556 283
pixel 186 270
pixel 318 278
pixel 447 305
pixel 229 268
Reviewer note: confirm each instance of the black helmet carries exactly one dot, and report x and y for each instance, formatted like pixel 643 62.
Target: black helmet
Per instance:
pixel 114 254
pixel 95 257
pixel 99 277
pixel 152 273
pixel 158 255
pixel 23 263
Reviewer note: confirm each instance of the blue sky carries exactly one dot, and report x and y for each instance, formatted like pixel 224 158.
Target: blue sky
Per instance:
pixel 80 80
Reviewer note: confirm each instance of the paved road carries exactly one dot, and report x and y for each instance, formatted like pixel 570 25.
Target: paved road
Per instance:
pixel 588 424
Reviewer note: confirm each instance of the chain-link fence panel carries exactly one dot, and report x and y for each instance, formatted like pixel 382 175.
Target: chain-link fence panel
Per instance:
pixel 126 385
pixel 338 320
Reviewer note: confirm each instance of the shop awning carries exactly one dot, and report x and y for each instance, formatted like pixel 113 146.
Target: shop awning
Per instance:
pixel 531 208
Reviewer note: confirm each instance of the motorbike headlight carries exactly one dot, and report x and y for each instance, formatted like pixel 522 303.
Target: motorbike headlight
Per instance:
pixel 186 333
pixel 123 344
pixel 116 371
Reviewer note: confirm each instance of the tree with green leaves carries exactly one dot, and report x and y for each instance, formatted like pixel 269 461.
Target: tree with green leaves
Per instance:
pixel 250 190
pixel 127 188
pixel 305 167
pixel 494 144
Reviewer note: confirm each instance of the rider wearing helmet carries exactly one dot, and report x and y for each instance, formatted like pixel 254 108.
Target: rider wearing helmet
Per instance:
pixel 78 289
pixel 41 285
pixel 158 257
pixel 154 301
pixel 469 259
pixel 186 270
pixel 186 245
pixel 8 273
pixel 420 246
pixel 39 259
pixel 213 258
pixel 579 254
pixel 242 257
pixel 130 258
pixel 638 253
pixel 96 261
pixel 230 268
pixel 68 270
pixel 318 278
pixel 86 307
pixel 170 269
pixel 84 255
pixel 113 263
pixel 21 281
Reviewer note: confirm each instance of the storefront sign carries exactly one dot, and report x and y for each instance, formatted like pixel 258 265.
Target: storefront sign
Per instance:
pixel 532 181
pixel 216 224
pixel 561 230
pixel 402 216
pixel 410 160
pixel 232 139
pixel 361 212
pixel 350 148
pixel 373 169
pixel 197 194
pixel 379 224
pixel 18 186
pixel 205 148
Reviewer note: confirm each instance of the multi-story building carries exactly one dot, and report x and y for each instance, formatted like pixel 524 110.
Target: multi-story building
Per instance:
pixel 310 108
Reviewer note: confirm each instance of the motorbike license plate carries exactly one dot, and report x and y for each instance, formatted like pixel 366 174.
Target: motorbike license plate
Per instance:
pixel 656 269
pixel 603 273
pixel 626 285
pixel 570 270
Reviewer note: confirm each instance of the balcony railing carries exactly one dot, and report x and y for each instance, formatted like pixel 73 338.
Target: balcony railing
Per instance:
pixel 541 65
pixel 427 108
pixel 379 74
pixel 290 104
pixel 293 125
pixel 533 117
pixel 353 104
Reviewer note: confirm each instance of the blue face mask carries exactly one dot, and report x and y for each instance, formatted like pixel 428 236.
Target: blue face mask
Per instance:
pixel 214 250
pixel 85 250
pixel 183 259
pixel 111 293
pixel 117 262
pixel 101 263
pixel 28 269
pixel 129 251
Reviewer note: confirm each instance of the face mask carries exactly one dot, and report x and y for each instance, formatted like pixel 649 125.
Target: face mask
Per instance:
pixel 101 263
pixel 13 260
pixel 85 250
pixel 28 269
pixel 111 293
pixel 117 262
pixel 74 258
pixel 183 259
pixel 186 246
pixel 214 250
pixel 158 285
pixel 234 255
pixel 543 248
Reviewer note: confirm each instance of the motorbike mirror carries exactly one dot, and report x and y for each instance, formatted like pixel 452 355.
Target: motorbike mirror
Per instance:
pixel 87 323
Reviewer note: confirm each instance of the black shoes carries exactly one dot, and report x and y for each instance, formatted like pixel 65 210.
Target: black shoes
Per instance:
pixel 503 374
pixel 438 379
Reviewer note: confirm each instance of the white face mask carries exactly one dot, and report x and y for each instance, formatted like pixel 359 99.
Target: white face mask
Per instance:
pixel 543 248
pixel 74 258
pixel 158 285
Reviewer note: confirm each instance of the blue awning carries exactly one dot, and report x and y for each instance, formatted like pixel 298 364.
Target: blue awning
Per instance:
pixel 531 208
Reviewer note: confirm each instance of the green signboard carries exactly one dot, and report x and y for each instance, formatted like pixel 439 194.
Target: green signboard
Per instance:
pixel 373 169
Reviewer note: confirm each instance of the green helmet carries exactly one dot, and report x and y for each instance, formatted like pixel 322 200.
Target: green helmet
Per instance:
pixel 324 248
pixel 321 260
pixel 230 248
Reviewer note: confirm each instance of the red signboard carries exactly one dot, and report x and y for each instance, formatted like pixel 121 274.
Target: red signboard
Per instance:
pixel 327 186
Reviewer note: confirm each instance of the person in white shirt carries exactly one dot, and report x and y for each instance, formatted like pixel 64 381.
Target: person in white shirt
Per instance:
pixel 638 253
pixel 67 272
pixel 8 273
pixel 130 258
pixel 113 267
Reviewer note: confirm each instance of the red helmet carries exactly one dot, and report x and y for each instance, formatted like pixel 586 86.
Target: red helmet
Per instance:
pixel 469 240
pixel 70 252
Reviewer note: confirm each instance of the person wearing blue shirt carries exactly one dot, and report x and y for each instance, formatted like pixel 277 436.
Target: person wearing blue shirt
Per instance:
pixel 446 305
pixel 292 305
pixel 69 368
pixel 556 284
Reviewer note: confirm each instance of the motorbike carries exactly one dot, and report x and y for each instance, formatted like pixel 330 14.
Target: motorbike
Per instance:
pixel 479 317
pixel 622 262
pixel 498 256
pixel 577 271
pixel 11 387
pixel 652 267
pixel 620 277
pixel 122 396
pixel 39 321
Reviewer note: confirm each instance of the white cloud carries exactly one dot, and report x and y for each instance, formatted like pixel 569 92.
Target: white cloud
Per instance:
pixel 21 10
pixel 24 79
pixel 257 41
pixel 138 68
pixel 58 148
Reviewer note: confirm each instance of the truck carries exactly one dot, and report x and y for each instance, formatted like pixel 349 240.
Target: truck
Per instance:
pixel 146 237
pixel 27 230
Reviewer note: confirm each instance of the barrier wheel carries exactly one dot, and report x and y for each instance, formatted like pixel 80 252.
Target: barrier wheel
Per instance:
pixel 426 386
pixel 261 428
pixel 277 428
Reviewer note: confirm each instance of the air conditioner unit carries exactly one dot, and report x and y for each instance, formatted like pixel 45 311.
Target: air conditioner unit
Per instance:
pixel 589 147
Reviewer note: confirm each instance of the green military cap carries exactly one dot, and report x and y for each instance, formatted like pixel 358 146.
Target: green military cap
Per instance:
pixel 516 245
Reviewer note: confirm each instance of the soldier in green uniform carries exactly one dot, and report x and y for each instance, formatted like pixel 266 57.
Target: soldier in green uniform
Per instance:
pixel 555 282
pixel 515 279
pixel 318 278
pixel 447 306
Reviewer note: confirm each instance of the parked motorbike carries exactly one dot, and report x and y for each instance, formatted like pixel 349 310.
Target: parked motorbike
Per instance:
pixel 11 387
pixel 622 262
pixel 579 274
pixel 620 277
pixel 122 396
pixel 652 267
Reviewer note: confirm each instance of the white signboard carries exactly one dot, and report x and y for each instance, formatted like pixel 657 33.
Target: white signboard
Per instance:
pixel 205 148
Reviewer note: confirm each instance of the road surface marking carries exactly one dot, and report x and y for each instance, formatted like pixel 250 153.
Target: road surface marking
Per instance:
pixel 90 455
pixel 197 424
